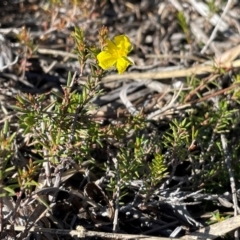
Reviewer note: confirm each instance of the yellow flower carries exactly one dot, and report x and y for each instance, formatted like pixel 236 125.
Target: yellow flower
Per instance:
pixel 115 54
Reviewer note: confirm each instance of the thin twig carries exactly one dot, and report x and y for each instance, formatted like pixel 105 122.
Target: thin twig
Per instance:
pixel 214 32
pixel 9 64
pixel 228 160
pixel 195 70
pixel 56 52
pixel 208 233
pixel 80 232
pixel 215 230
pixel 115 221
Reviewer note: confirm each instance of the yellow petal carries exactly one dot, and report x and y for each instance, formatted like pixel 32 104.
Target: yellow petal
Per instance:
pixel 110 46
pixel 122 64
pixel 115 54
pixel 123 43
pixel 106 60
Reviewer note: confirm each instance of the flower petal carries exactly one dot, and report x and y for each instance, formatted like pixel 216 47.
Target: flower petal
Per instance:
pixel 110 46
pixel 115 54
pixel 106 60
pixel 123 43
pixel 122 64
